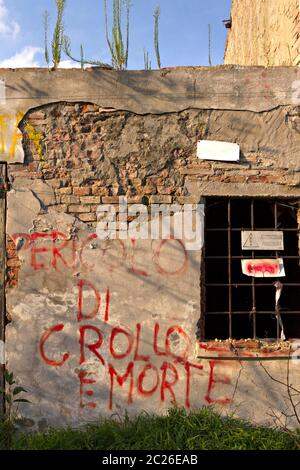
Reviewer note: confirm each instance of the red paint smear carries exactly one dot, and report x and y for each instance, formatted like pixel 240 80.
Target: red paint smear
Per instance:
pixel 121 379
pixel 137 355
pixel 156 258
pixel 107 300
pixel 142 375
pixel 167 384
pixel 35 236
pixel 56 251
pixel 212 381
pixel 43 341
pixel 213 348
pixel 83 380
pixel 117 331
pixel 82 262
pixel 92 347
pixel 262 268
pixel 180 331
pixel 93 313
pixel 169 377
pixel 65 242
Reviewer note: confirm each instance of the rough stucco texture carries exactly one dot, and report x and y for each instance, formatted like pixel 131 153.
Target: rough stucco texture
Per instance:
pixel 264 32
pixel 97 327
pixel 146 291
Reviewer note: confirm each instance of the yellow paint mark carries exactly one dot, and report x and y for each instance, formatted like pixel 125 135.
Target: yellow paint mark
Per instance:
pixel 36 139
pixel 2 139
pixel 17 135
pixel 33 136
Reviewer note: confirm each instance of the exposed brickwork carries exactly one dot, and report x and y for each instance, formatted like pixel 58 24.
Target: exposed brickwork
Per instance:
pixel 264 32
pixel 13 263
pixel 90 156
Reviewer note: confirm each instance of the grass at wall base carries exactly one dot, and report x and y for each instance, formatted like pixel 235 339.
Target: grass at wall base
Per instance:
pixel 204 429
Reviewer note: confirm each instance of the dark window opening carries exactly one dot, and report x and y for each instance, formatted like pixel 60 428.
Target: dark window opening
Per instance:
pixel 238 306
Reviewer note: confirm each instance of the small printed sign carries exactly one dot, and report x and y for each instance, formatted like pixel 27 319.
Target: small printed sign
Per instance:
pixel 262 240
pixel 263 267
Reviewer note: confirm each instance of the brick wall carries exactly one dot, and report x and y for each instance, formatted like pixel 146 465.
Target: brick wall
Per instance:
pixel 80 155
pixel 264 32
pixel 88 156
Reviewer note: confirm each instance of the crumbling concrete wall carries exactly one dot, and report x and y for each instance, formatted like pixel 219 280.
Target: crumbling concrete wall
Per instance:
pixel 99 326
pixel 264 32
pixel 137 303
pixel 86 155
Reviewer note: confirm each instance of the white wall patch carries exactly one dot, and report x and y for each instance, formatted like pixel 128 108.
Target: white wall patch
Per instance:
pixel 2 92
pixel 217 150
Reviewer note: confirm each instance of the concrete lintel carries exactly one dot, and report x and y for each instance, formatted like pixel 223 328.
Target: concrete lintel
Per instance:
pixel 159 91
pixel 241 189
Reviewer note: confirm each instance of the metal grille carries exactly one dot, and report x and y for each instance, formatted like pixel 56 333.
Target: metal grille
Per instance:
pixel 235 305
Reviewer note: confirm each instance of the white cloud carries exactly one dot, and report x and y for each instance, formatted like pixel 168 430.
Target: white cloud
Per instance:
pixel 25 58
pixel 8 27
pixel 68 64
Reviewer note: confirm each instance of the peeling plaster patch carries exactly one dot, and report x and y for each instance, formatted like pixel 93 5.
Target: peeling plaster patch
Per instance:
pixel 47 222
pixel 61 309
pixel 64 221
pixel 43 191
pixel 22 208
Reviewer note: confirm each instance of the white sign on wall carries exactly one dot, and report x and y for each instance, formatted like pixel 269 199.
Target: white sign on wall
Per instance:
pixel 216 150
pixel 262 240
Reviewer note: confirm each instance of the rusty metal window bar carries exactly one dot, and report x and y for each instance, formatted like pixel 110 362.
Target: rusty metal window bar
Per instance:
pixel 238 306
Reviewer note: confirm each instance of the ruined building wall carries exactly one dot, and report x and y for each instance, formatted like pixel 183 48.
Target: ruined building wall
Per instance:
pixel 96 327
pixel 264 32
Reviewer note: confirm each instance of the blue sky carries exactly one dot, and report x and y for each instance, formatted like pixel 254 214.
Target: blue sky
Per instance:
pixel 183 31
